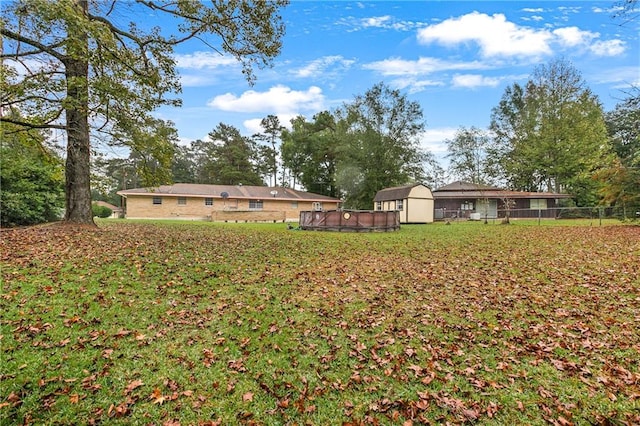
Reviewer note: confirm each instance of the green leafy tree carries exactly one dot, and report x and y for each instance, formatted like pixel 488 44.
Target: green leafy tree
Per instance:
pixel 310 149
pixel 551 136
pixel 183 165
pixel 75 63
pixel 228 158
pixel 621 180
pixel 271 135
pixel 379 144
pixel 467 154
pixel 31 179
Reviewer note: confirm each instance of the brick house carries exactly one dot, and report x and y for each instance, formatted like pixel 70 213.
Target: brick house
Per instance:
pixel 226 203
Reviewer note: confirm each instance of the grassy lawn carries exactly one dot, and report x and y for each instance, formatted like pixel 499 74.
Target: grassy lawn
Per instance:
pixel 171 323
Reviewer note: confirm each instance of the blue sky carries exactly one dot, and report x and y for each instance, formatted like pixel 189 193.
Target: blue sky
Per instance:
pixel 453 57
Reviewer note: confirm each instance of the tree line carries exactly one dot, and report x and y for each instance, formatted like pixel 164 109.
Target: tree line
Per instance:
pixel 550 134
pixel 367 144
pixel 99 80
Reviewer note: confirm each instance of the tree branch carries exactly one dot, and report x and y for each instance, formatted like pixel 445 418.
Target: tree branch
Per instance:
pixel 43 48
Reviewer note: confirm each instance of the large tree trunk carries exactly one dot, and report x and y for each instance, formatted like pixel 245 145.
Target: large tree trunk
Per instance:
pixel 77 173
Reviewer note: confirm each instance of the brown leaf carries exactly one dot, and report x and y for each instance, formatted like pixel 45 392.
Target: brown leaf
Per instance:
pixel 133 385
pixel 247 397
pixel 157 397
pixel 122 333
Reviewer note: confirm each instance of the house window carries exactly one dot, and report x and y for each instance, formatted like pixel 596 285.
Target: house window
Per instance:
pixel 467 205
pixel 379 205
pixel 157 200
pixel 182 201
pixel 538 204
pixel 294 204
pixel 255 204
pixel 208 201
pixel 399 205
pixel 317 206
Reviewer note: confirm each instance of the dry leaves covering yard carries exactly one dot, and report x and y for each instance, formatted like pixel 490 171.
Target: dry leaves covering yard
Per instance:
pixel 211 324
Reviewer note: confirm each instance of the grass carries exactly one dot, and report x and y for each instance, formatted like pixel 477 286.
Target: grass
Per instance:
pixel 202 324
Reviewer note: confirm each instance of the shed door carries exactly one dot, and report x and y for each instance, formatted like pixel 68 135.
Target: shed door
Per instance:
pixel 487 208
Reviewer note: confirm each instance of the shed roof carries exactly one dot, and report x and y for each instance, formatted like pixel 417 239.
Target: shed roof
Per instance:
pixel 231 191
pixel 395 193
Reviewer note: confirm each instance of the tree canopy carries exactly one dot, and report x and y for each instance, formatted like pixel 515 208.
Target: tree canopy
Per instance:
pixel 310 149
pixel 31 179
pixel 468 158
pixel 380 144
pixel 550 135
pixel 228 158
pixel 621 179
pixel 78 66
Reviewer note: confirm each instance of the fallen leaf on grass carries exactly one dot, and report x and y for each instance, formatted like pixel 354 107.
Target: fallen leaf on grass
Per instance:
pixel 157 396
pixel 133 385
pixel 247 397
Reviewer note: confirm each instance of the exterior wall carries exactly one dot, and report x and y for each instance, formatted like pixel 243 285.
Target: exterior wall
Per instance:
pixel 452 208
pixel 417 210
pixel 142 207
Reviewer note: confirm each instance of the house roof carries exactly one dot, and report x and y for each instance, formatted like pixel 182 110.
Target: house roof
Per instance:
pixel 108 205
pixel 459 190
pixel 395 193
pixel 231 191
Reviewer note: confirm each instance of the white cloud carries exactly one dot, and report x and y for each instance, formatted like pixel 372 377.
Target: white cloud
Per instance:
pixel 204 68
pixel 622 77
pixel 574 36
pixel 386 22
pixel 434 140
pixel 607 48
pixel 253 126
pixel 279 99
pixel 497 37
pixel 204 60
pixel 414 85
pixel 422 66
pixel 194 80
pixel 377 21
pixel 319 67
pixel 474 80
pixel 532 10
pixel 493 34
pixel 570 9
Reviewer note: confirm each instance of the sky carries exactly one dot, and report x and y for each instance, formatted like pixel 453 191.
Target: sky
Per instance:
pixel 455 58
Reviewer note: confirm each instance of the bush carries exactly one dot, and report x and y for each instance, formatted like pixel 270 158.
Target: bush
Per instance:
pixel 31 184
pixel 101 211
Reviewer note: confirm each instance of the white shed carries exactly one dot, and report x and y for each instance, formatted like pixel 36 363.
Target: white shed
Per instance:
pixel 414 202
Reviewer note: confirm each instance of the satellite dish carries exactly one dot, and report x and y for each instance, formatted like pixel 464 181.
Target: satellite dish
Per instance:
pixel 224 195
pixel 274 192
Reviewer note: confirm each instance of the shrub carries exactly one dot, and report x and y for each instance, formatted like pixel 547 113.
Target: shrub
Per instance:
pixel 101 211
